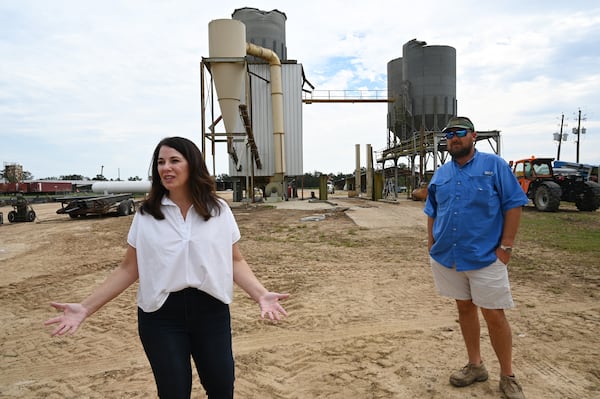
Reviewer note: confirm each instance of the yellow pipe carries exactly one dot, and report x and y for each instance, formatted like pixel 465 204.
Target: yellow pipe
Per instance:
pixel 276 104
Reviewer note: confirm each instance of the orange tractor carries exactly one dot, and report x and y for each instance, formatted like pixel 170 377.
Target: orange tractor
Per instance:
pixel 547 186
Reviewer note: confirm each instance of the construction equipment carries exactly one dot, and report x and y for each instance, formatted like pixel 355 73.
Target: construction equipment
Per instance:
pixel 589 172
pixel 22 211
pixel 121 204
pixel 546 186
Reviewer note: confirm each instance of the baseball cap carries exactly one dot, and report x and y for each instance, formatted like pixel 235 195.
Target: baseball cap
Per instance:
pixel 459 122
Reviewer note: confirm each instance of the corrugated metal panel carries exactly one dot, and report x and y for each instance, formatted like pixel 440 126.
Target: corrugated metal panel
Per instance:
pixel 262 122
pixel 261 114
pixel 292 110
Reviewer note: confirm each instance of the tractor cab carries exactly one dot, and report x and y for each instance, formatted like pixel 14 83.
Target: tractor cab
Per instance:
pixel 532 169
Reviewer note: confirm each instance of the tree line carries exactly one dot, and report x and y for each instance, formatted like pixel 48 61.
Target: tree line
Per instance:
pixel 305 180
pixel 310 179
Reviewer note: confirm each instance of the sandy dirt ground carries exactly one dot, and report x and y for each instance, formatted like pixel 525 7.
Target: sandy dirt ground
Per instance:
pixel 364 319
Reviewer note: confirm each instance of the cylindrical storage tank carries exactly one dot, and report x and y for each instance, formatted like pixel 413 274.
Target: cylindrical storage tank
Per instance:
pixel 431 72
pixel 397 108
pixel 118 187
pixel 265 29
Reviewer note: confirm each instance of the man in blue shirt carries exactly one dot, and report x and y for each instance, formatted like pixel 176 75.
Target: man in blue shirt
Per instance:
pixel 474 208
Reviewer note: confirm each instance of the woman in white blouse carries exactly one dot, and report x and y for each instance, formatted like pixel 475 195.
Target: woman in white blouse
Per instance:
pixel 183 248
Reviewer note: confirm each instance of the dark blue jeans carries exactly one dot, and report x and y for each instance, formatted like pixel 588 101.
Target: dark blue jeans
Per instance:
pixel 192 324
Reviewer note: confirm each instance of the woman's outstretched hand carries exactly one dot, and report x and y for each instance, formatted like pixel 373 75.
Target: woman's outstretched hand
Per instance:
pixel 270 306
pixel 73 314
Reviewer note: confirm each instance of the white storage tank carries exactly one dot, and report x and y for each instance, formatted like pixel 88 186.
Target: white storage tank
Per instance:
pixel 118 187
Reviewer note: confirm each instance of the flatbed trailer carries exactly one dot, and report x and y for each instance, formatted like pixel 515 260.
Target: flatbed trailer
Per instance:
pixel 121 204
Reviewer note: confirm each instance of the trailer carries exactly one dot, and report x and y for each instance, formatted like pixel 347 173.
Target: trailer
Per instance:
pixel 120 204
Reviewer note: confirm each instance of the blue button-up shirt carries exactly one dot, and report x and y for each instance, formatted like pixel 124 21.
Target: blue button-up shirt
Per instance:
pixel 468 204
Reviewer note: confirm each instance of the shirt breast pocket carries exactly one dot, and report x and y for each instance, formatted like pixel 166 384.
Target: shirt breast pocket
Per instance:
pixel 444 193
pixel 484 193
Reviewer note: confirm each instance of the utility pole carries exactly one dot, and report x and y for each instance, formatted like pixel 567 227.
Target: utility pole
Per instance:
pixel 578 134
pixel 580 131
pixel 560 136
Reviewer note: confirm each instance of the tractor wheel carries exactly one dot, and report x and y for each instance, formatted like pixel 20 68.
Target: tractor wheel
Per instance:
pixel 123 208
pixel 589 200
pixel 131 207
pixel 30 216
pixel 12 216
pixel 547 197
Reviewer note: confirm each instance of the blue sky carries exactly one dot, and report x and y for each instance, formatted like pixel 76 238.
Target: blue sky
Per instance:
pixel 86 84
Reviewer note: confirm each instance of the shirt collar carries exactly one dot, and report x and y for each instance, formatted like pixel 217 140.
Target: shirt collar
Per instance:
pixel 167 201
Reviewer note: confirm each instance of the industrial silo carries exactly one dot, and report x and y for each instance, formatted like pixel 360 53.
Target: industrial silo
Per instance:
pixel 265 29
pixel 424 89
pixel 399 111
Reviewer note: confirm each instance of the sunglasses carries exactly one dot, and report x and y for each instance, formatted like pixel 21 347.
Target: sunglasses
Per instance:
pixel 457 133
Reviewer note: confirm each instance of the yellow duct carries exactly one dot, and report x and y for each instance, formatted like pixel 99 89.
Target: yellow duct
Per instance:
pixel 276 104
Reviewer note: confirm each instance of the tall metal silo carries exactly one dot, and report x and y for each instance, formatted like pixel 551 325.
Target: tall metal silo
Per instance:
pixel 265 29
pixel 400 110
pixel 431 72
pixel 423 85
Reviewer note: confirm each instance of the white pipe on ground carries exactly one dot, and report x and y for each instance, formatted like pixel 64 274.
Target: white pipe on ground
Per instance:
pixel 118 187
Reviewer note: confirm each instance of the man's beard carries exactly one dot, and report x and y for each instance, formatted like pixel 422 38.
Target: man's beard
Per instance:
pixel 462 151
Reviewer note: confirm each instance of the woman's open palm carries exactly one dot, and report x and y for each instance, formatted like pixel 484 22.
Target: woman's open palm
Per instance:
pixel 270 306
pixel 73 314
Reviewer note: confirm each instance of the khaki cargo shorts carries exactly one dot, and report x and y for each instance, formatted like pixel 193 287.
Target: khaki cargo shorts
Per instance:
pixel 488 287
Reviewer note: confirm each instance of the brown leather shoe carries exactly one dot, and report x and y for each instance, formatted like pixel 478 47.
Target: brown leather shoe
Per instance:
pixel 511 388
pixel 469 374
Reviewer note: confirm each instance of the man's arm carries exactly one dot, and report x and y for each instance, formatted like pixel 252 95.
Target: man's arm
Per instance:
pixel 430 239
pixel 512 218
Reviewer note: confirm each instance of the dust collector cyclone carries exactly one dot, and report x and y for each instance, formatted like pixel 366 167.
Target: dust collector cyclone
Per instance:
pixel 227 39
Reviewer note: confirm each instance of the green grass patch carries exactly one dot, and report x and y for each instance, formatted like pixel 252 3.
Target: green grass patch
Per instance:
pixel 573 232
